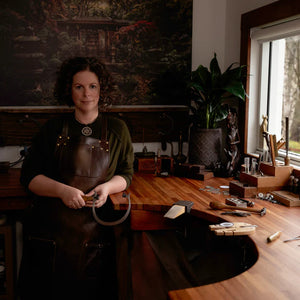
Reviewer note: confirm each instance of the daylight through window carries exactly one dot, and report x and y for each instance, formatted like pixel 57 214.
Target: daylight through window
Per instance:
pixel 275 85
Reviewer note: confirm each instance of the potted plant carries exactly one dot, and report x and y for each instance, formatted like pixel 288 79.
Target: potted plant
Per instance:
pixel 210 92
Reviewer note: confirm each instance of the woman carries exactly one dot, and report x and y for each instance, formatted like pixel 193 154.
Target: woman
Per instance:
pixel 67 255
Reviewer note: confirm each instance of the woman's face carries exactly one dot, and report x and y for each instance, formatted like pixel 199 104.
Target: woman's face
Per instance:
pixel 86 91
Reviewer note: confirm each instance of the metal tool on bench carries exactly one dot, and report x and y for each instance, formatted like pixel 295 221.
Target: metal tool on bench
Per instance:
pixel 236 213
pixel 179 208
pixel 292 239
pixel 239 202
pixel 218 205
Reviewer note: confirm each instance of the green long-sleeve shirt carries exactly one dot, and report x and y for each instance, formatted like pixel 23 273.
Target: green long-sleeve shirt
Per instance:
pixel 40 159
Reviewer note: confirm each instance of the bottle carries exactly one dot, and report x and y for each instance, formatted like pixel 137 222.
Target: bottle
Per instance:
pixel 180 158
pixel 253 166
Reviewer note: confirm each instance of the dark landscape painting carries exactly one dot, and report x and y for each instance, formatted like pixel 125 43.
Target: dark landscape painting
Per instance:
pixel 146 46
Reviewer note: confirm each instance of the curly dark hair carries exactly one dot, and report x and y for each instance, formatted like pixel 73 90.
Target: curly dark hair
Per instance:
pixel 63 85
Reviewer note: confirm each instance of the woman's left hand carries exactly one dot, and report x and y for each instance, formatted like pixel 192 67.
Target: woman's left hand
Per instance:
pixel 115 185
pixel 102 196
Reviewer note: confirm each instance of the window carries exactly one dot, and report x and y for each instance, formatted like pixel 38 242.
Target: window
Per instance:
pixel 274 85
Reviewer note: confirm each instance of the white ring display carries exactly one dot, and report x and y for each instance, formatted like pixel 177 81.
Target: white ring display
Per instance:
pixel 226 224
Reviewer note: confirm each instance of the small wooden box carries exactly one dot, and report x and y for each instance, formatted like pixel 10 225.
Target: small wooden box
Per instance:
pixel 146 165
pixel 153 164
pixel 286 197
pixel 193 171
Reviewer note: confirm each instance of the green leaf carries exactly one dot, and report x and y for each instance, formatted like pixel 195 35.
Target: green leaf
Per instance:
pixel 210 89
pixel 236 89
pixel 214 67
pixel 203 77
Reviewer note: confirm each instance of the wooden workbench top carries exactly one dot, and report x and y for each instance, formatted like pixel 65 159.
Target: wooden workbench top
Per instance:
pixel 275 275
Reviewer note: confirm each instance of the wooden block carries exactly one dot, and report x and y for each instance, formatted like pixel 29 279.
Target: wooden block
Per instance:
pixel 243 190
pixel 235 202
pixel 146 165
pixel 278 170
pixel 274 177
pixel 175 211
pixel 203 175
pixel 286 197
pixel 193 171
pixel 240 189
pixel 237 228
pixel 248 178
pixel 179 208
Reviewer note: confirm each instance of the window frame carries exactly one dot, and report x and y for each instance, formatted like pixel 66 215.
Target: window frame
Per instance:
pixel 274 12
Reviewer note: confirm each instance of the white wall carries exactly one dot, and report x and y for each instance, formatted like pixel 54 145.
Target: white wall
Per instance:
pixel 216 28
pixel 208 31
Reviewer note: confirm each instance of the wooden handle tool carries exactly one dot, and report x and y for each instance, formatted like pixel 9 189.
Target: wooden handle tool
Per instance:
pixel 272 150
pixel 218 205
pixel 274 237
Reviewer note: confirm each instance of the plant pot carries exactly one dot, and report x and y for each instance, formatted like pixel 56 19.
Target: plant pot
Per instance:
pixel 205 146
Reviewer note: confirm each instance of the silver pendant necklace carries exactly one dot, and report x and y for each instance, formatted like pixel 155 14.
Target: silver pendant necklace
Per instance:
pixel 86 131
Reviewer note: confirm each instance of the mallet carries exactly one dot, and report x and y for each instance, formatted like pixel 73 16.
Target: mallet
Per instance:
pixel 218 205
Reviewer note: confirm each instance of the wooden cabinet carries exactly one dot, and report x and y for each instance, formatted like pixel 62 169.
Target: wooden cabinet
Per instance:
pixel 6 263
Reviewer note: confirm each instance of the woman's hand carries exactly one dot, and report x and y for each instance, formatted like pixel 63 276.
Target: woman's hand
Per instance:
pixel 44 186
pixel 102 192
pixel 115 185
pixel 72 197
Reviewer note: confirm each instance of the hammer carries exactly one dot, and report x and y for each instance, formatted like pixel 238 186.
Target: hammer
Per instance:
pixel 218 205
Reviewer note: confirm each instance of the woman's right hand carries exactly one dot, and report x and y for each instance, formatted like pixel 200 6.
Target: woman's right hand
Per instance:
pixel 44 186
pixel 72 197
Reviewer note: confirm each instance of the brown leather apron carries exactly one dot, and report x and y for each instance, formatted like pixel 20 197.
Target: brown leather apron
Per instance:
pixel 66 248
pixel 83 161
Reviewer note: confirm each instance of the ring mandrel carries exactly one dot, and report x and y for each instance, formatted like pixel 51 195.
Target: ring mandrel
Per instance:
pixel 179 208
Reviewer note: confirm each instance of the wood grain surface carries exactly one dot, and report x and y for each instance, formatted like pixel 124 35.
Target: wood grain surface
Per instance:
pixel 276 274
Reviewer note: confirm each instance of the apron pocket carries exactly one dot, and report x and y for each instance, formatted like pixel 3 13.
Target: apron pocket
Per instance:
pixel 96 259
pixel 98 270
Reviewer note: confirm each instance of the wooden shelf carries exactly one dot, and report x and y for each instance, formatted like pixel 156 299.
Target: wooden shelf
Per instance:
pixel 146 123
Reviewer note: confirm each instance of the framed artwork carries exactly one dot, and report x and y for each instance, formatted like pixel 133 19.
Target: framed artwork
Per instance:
pixel 145 45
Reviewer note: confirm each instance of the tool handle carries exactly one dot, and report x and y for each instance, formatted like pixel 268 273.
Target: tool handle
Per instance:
pixel 218 205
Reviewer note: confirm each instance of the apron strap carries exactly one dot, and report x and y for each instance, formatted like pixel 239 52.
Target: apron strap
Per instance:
pixel 65 129
pixel 103 128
